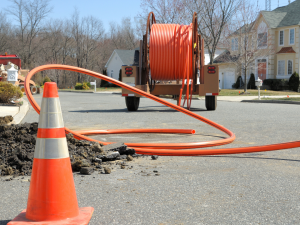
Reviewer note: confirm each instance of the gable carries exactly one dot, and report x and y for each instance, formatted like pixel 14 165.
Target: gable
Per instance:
pixel 126 56
pixel 283 16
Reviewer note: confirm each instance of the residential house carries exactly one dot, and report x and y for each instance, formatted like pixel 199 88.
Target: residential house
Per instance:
pixel 118 59
pixel 277 30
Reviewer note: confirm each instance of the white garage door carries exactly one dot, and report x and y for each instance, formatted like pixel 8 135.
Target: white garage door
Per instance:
pixel 228 79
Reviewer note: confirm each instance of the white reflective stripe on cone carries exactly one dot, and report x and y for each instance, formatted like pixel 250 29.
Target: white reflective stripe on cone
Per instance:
pixel 51 105
pixel 51 120
pixel 51 148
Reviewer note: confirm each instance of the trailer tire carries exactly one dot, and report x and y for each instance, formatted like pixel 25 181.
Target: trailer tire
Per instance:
pixel 211 102
pixel 132 103
pixel 33 90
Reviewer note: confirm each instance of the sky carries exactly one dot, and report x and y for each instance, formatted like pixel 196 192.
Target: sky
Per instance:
pixel 110 10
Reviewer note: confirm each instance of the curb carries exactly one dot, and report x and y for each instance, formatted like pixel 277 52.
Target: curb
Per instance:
pixel 273 101
pixel 89 92
pixel 23 109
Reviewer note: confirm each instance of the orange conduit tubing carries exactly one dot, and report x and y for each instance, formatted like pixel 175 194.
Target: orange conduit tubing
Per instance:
pixel 171 54
pixel 167 149
pixel 130 131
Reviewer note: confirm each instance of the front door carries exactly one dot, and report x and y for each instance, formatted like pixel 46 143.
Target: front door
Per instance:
pixel 262 69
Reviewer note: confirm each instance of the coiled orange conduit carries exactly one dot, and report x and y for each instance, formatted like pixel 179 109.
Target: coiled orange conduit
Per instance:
pixel 176 149
pixel 170 55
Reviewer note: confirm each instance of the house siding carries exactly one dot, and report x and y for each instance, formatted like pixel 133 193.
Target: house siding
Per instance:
pixel 115 64
pixel 286 56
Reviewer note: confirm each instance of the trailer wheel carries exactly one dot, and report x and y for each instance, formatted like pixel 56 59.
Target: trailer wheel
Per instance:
pixel 33 90
pixel 211 102
pixel 132 103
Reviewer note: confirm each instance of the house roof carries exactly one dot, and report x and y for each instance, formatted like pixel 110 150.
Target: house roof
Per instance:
pixel 286 50
pixel 226 57
pixel 283 16
pixel 126 56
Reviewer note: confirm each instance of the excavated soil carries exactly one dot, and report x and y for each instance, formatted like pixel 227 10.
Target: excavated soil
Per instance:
pixel 6 119
pixel 17 145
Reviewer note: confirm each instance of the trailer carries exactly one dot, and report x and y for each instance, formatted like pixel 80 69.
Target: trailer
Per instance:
pixel 152 73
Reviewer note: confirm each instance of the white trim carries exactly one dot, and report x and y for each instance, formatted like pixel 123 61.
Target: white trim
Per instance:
pixel 287 69
pixel 290 36
pixel 282 38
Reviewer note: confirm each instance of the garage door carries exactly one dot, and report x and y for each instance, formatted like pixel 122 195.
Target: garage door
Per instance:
pixel 228 79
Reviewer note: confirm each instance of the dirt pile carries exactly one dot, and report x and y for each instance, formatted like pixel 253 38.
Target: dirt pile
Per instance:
pixel 17 145
pixel 6 119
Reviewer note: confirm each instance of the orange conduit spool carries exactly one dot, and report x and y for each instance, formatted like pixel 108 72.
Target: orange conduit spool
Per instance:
pixel 174 149
pixel 171 54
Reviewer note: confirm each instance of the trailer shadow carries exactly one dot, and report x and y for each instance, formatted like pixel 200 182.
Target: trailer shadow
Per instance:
pixel 141 109
pixel 4 222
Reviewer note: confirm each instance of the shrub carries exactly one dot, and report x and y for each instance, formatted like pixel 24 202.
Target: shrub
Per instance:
pixel 251 83
pixel 239 83
pixel 104 83
pixel 88 84
pixel 9 92
pixel 78 86
pixel 46 79
pixel 275 84
pixel 294 82
pixel 85 86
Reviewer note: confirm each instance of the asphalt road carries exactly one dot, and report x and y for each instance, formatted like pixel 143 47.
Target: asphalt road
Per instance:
pixel 256 188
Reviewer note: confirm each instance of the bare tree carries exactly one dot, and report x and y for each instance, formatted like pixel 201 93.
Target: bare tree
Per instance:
pixel 247 40
pixel 123 36
pixel 213 15
pixel 5 33
pixel 166 11
pixel 29 14
pixel 87 33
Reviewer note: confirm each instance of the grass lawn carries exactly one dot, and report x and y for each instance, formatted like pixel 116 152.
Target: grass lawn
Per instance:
pixel 236 92
pixel 102 89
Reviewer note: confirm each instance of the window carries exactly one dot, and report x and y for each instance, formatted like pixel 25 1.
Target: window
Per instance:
pixel 262 35
pixel 292 36
pixel 234 44
pixel 262 40
pixel 280 67
pixel 290 67
pixel 281 37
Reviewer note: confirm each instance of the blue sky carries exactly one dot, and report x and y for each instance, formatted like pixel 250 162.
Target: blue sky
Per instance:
pixel 110 10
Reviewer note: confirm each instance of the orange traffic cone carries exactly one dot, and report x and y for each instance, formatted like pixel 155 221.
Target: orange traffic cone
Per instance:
pixel 52 196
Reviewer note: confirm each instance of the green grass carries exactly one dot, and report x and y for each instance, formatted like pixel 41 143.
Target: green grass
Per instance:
pixel 237 92
pixel 102 89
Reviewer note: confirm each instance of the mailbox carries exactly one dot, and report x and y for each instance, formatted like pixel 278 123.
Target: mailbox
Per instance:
pixel 12 74
pixel 258 82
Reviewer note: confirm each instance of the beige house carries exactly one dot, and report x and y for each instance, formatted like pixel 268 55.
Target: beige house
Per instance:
pixel 276 42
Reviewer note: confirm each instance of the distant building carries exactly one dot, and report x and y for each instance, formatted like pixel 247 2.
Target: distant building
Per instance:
pixel 117 59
